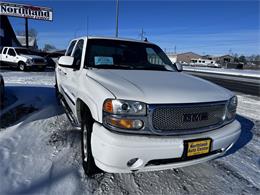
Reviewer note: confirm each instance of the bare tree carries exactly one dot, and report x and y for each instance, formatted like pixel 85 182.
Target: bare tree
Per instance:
pixel 49 47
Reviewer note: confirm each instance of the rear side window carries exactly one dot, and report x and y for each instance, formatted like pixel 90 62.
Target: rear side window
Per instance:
pixel 78 53
pixel 70 49
pixel 11 52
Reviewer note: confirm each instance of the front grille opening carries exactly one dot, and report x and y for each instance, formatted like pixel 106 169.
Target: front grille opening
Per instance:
pixel 38 60
pixel 177 118
pixel 157 162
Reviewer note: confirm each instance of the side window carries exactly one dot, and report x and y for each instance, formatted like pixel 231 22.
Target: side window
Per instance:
pixel 78 53
pixel 70 49
pixel 5 50
pixel 11 52
pixel 153 58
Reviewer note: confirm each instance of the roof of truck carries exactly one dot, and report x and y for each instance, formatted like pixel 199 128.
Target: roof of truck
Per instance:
pixel 113 38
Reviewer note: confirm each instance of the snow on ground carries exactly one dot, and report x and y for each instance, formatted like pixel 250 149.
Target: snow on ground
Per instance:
pixel 231 72
pixel 40 153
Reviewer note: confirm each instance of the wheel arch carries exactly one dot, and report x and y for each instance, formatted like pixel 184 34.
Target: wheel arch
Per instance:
pixel 82 108
pixel 20 61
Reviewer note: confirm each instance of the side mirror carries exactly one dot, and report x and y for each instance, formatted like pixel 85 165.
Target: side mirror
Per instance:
pixel 179 67
pixel 66 61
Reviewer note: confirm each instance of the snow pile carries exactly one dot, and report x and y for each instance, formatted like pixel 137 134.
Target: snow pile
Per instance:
pixel 222 71
pixel 40 154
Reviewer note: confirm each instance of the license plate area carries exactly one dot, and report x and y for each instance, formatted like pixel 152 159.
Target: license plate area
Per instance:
pixel 197 147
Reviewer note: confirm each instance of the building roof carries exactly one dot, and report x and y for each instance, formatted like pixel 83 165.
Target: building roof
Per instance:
pixel 226 56
pixel 189 53
pixel 22 40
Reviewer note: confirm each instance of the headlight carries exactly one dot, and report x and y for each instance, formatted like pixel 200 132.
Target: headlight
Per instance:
pixel 124 107
pixel 231 108
pixel 124 114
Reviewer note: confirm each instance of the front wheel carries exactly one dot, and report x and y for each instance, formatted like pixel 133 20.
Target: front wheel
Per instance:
pixel 88 162
pixel 22 66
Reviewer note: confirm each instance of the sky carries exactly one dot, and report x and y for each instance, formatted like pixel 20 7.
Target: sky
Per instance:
pixel 204 27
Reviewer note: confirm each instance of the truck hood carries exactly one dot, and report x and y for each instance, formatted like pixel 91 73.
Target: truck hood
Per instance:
pixel 158 87
pixel 31 56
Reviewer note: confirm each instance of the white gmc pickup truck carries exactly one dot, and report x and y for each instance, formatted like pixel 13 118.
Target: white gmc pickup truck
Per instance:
pixel 21 58
pixel 137 111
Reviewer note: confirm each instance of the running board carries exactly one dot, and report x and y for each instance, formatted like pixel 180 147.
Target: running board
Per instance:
pixel 70 114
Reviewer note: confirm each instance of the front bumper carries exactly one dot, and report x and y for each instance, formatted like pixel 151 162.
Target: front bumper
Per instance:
pixel 35 65
pixel 112 151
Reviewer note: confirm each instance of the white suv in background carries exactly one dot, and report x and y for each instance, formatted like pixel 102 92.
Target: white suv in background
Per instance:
pixel 21 58
pixel 137 111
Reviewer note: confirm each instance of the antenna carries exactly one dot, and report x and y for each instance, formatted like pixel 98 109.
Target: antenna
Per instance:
pixel 87 25
pixel 142 34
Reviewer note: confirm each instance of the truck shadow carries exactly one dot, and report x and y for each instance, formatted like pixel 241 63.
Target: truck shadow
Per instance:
pixel 245 136
pixel 31 103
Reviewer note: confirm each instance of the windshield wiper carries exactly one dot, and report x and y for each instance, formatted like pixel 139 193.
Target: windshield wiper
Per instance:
pixel 112 66
pixel 151 67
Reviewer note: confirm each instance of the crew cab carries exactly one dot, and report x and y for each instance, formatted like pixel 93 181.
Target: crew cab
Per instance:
pixel 21 58
pixel 137 111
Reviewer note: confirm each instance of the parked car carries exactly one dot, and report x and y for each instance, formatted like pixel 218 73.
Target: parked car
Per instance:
pixel 2 91
pixel 204 63
pixel 21 58
pixel 137 111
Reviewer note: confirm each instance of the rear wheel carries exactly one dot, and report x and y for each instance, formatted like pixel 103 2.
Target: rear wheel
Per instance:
pixel 2 94
pixel 89 165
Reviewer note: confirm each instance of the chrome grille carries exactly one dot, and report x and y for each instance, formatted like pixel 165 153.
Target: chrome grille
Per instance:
pixel 172 117
pixel 38 60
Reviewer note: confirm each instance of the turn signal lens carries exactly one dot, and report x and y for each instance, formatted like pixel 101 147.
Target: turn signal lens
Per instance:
pixel 108 106
pixel 124 123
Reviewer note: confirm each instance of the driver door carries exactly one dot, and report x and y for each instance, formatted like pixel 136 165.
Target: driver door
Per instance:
pixel 11 57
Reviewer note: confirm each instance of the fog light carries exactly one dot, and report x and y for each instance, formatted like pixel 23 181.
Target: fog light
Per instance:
pixel 131 162
pixel 135 163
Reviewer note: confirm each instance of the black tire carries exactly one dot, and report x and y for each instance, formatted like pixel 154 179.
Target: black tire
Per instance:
pixel 42 69
pixel 88 162
pixel 2 94
pixel 57 93
pixel 21 66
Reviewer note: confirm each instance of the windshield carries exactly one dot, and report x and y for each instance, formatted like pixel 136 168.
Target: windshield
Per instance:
pixel 23 51
pixel 115 54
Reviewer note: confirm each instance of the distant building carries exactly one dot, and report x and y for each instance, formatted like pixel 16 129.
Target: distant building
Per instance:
pixel 225 59
pixel 186 57
pixel 32 41
pixel 172 57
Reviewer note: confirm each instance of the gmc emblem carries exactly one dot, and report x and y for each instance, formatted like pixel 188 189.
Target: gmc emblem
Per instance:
pixel 195 117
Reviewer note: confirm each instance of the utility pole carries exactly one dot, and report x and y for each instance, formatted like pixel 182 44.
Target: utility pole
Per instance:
pixel 26 33
pixel 87 25
pixel 175 49
pixel 117 14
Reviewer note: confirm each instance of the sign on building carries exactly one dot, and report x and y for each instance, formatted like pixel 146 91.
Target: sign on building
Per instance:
pixel 26 11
